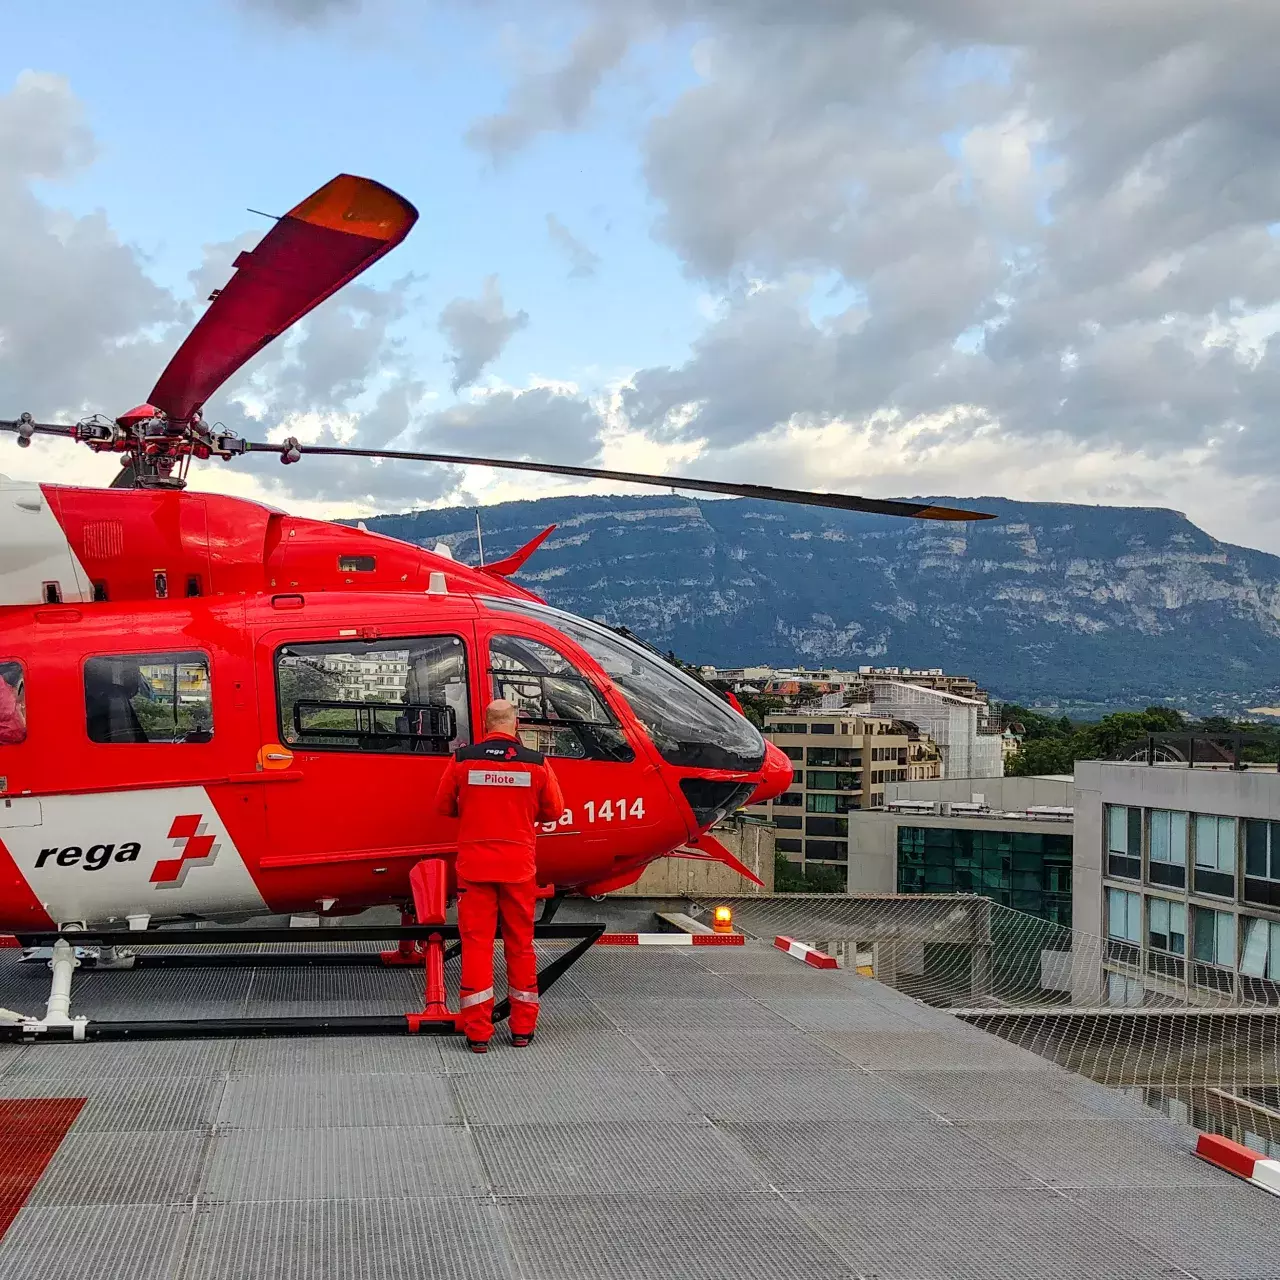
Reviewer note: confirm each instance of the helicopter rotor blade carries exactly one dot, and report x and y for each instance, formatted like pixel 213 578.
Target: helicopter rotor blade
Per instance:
pixel 310 253
pixel 803 497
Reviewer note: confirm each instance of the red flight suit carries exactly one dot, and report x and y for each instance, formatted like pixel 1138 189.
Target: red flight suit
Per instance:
pixel 500 790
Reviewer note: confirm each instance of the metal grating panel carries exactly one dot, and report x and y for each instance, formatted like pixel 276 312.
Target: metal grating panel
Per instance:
pixel 877 1154
pixel 932 1051
pixel 713 1050
pixel 1229 1233
pixel 325 1055
pixel 499 1098
pixel 604 1051
pixel 839 1015
pixel 342 1164
pixel 683 1015
pixel 342 1240
pixel 811 1094
pixel 975 1235
pixel 966 1095
pixel 622 1159
pixel 797 982
pixel 641 982
pixel 107 1242
pixel 337 1102
pixel 726 1237
pixel 1095 1153
pixel 95 1061
pixel 127 1106
pixel 123 1168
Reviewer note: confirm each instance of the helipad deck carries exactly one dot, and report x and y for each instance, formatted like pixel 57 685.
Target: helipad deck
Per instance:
pixel 717 1112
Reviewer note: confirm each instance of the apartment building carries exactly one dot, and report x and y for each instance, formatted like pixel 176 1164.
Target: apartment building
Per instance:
pixel 841 765
pixel 1178 869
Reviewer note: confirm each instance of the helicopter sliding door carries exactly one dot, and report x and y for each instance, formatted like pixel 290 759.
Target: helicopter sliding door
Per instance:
pixel 366 726
pixel 616 804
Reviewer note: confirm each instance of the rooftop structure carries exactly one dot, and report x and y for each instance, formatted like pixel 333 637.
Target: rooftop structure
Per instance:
pixel 718 1112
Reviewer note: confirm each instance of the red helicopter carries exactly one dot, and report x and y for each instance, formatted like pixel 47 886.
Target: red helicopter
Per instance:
pixel 210 709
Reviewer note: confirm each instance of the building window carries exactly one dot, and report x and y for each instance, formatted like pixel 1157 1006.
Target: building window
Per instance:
pixel 785 844
pixel 793 753
pixel 789 727
pixel 789 799
pixel 818 803
pixel 840 757
pixel 1166 938
pixel 1124 991
pixel 335 696
pixel 148 697
pixel 832 850
pixel 1124 915
pixel 1167 926
pixel 1124 842
pixel 787 821
pixel 834 780
pixel 820 826
pixel 1167 863
pixel 1260 954
pixel 1028 871
pixel 1214 939
pixel 797 777
pixel 822 726
pixel 1215 855
pixel 1262 863
pixel 13 704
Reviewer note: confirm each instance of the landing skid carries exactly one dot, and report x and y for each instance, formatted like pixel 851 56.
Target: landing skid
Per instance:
pixel 66 948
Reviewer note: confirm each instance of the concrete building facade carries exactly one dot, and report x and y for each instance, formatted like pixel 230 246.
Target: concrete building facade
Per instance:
pixel 1177 869
pixel 842 763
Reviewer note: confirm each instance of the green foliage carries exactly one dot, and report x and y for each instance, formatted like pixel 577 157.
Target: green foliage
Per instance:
pixel 789 878
pixel 1051 749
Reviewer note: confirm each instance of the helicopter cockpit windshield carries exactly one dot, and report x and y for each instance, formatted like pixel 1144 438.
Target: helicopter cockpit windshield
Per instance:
pixel 688 723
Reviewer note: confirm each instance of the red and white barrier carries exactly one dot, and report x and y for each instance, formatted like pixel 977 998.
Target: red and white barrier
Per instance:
pixel 810 955
pixel 670 940
pixel 1243 1161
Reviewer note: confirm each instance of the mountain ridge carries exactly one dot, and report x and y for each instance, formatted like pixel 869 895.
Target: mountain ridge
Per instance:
pixel 1051 603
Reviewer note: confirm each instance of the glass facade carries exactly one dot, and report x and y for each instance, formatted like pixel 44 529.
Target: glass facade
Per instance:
pixel 1028 871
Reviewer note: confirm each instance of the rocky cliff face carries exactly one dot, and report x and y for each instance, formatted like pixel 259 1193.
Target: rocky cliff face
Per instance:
pixel 1050 602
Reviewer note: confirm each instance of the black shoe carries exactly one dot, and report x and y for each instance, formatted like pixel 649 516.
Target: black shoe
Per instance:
pixel 521 1041
pixel 478 1046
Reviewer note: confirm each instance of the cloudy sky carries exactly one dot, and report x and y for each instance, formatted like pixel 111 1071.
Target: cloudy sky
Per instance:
pixel 938 246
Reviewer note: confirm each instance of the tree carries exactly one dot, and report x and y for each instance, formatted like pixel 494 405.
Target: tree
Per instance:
pixel 1042 755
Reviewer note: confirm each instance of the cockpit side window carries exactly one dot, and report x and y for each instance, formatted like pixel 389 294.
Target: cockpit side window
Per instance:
pixel 561 713
pixel 688 723
pixel 13 704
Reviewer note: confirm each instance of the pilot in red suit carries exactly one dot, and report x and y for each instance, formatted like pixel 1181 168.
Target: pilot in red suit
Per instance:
pixel 500 790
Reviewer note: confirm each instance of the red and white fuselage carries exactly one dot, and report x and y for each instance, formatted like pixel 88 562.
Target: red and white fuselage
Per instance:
pixel 256 808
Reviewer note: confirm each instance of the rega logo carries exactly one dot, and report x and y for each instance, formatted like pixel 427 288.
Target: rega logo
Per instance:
pixel 94 858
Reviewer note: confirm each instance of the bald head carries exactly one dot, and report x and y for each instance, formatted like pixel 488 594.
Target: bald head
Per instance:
pixel 500 717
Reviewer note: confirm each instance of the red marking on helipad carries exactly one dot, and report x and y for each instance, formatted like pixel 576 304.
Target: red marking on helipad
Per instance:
pixel 31 1130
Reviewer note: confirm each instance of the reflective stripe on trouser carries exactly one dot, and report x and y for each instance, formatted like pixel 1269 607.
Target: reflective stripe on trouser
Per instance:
pixel 480 907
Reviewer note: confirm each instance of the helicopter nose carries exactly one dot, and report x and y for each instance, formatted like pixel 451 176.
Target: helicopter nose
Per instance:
pixel 777 770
